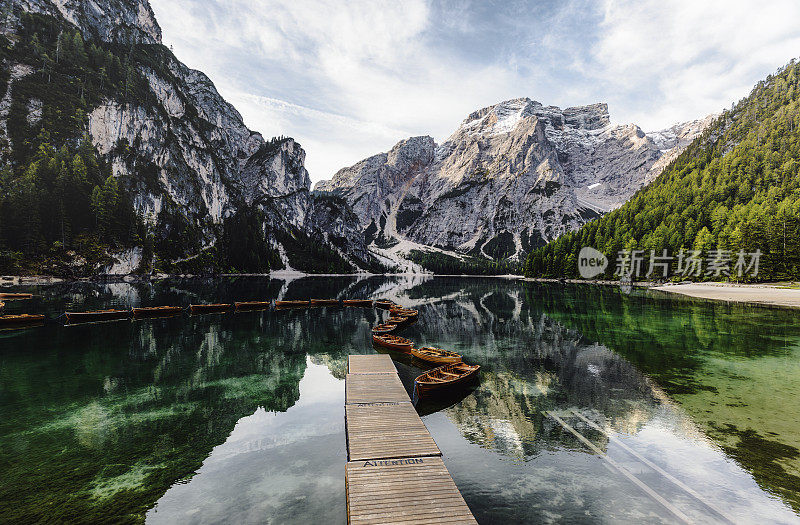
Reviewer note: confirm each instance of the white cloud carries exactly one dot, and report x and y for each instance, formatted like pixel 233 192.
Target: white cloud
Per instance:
pixel 327 154
pixel 682 59
pixel 363 75
pixel 350 79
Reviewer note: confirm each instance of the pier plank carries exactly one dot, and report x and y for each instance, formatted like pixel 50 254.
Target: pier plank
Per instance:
pixel 387 431
pixel 370 364
pixel 421 491
pixel 374 388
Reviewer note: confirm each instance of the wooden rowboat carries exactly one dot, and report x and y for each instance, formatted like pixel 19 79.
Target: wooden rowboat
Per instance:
pixel 20 319
pixel 15 296
pixel 324 302
pixel 392 342
pixel 357 302
pixel 252 305
pixel 97 315
pixel 156 311
pixel 384 304
pixel 292 304
pixel 404 312
pixel 384 328
pixel 209 308
pixel 398 320
pixel 456 374
pixel 436 355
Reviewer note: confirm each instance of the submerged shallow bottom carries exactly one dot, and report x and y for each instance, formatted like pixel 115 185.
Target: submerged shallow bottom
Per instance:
pixel 593 406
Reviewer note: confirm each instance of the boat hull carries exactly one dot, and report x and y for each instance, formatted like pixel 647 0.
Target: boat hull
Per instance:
pixel 357 302
pixel 209 308
pixel 15 296
pixel 404 312
pixel 384 305
pixel 252 305
pixel 435 359
pixel 422 387
pixel 324 302
pixel 100 315
pixel 141 313
pixel 402 345
pixel 20 320
pixel 385 328
pixel 292 304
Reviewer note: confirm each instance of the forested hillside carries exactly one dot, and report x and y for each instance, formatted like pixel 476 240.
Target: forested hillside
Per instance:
pixel 56 194
pixel 734 188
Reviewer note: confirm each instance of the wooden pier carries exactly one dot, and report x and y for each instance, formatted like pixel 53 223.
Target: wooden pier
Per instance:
pixel 394 472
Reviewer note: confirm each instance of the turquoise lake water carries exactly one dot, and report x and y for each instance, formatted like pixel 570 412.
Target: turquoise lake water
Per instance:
pixel 239 417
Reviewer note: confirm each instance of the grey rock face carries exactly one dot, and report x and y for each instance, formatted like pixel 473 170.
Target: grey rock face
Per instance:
pixel 121 21
pixel 189 154
pixel 275 172
pixel 331 220
pixel 383 176
pixel 511 177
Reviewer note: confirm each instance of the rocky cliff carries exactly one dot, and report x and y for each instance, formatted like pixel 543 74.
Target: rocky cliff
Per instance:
pixel 121 21
pixel 196 173
pixel 511 177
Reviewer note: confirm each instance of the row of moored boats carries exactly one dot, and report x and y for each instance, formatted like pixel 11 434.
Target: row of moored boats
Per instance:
pixel 450 371
pixel 93 316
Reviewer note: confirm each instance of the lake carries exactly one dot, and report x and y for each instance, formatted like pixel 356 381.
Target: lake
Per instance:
pixel 239 417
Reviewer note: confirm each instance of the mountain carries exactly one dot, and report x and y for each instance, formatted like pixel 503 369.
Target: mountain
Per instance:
pixel 511 177
pixel 118 157
pixel 737 187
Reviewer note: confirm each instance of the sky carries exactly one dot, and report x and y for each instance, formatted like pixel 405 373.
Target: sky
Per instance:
pixel 350 79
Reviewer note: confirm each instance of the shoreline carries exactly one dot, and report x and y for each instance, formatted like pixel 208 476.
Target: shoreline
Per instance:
pixel 764 295
pixel 768 294
pixel 774 295
pixel 40 280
